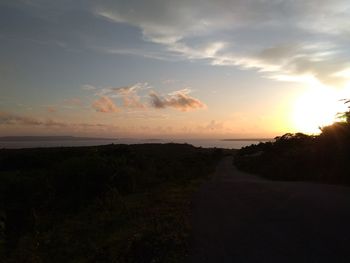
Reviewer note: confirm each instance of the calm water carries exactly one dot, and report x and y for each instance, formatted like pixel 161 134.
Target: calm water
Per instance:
pixel 196 142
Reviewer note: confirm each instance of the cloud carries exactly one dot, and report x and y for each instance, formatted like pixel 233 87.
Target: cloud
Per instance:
pixel 131 99
pixel 51 109
pixel 88 87
pixel 294 38
pixel 129 95
pixel 181 91
pixel 14 119
pixel 135 52
pixel 169 22
pixel 179 100
pixel 9 119
pixel 104 104
pixel 214 125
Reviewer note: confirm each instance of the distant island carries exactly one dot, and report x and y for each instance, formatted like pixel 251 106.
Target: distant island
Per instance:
pixel 249 139
pixel 51 138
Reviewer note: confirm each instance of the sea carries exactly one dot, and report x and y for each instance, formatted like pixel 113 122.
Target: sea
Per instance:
pixel 205 143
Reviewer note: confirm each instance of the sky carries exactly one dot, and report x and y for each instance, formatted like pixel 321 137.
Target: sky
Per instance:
pixel 172 69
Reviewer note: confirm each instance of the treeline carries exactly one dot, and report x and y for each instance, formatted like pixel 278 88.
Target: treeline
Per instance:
pixel 114 203
pixel 322 158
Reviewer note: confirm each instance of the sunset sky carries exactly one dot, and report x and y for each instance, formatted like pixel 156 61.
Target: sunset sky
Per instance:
pixel 164 69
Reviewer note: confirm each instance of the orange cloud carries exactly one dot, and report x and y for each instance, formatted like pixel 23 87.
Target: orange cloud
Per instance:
pixel 130 97
pixel 51 109
pixel 104 104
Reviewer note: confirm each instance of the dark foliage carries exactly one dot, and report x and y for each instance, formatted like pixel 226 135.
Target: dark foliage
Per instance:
pixel 323 158
pixel 114 203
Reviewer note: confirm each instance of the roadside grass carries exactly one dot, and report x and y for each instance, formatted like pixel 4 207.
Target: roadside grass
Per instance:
pixel 143 215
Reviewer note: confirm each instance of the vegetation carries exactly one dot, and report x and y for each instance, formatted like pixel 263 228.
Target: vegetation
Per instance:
pixel 323 158
pixel 114 203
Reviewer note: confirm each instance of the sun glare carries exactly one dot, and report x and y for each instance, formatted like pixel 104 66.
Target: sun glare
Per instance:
pixel 316 108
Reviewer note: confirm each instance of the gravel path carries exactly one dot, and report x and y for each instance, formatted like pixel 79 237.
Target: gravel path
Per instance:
pixel 238 217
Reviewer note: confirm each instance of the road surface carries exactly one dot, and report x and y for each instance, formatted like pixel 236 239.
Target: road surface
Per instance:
pixel 238 217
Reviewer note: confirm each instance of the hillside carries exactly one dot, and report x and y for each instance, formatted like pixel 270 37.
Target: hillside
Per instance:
pixel 320 158
pixel 112 203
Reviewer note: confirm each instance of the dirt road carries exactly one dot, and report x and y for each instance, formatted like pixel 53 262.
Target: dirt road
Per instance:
pixel 238 217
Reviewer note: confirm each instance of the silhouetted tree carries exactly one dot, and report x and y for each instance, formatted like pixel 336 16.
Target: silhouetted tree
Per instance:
pixel 322 158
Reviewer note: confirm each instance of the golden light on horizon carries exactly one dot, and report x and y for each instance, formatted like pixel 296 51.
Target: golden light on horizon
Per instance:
pixel 318 107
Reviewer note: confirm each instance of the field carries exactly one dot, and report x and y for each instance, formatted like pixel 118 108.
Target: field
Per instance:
pixel 115 203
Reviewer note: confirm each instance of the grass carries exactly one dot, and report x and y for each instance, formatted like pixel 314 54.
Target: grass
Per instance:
pixel 111 203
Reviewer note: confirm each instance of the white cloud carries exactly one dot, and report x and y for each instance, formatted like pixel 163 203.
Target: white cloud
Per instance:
pixel 284 37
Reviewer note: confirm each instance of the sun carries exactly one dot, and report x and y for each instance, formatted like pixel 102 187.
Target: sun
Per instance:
pixel 316 108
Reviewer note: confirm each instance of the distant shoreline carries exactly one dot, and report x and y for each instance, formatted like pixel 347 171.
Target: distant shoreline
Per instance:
pixel 73 138
pixel 18 142
pixel 249 139
pixel 51 138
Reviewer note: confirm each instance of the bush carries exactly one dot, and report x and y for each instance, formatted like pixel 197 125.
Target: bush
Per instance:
pixel 98 204
pixel 323 158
